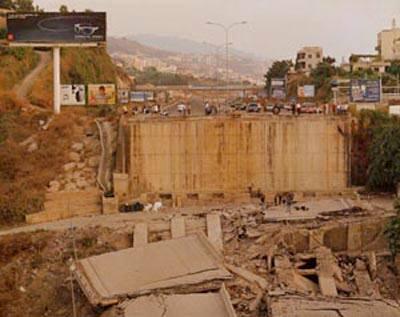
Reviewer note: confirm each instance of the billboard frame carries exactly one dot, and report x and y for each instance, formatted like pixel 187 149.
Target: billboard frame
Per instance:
pixel 56 46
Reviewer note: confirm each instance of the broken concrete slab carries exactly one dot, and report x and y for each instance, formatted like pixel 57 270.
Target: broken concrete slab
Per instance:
pixel 363 281
pixel 178 229
pixel 295 306
pixel 313 209
pixel 291 277
pixel 214 231
pixel 327 271
pixel 175 305
pixel 187 264
pixel 248 276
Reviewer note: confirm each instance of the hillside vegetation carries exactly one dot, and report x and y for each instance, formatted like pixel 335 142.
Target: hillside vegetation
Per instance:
pixel 15 64
pixel 78 66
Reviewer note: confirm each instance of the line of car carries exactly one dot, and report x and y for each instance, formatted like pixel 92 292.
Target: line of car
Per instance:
pixel 276 108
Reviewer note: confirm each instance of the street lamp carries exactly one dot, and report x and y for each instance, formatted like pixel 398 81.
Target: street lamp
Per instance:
pixel 227 28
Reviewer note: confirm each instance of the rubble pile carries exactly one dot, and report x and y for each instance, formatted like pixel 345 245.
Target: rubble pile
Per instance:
pixel 80 172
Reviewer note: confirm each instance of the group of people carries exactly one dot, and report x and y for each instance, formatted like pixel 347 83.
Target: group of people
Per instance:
pixel 210 109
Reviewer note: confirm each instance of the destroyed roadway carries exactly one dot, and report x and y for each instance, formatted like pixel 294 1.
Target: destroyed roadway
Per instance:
pixel 316 260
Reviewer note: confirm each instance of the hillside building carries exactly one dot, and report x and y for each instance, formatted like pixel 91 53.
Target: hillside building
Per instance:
pixel 308 58
pixel 389 43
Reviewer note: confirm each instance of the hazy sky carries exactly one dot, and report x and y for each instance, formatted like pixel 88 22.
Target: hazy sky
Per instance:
pixel 276 29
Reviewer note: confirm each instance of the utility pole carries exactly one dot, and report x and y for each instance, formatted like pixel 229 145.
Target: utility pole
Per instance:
pixel 56 80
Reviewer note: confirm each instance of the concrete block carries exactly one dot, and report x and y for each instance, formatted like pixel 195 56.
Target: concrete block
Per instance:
pixel 214 231
pixel 178 229
pixel 354 241
pixel 140 236
pixel 121 184
pixel 110 205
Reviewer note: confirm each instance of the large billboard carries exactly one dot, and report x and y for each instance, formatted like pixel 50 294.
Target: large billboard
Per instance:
pixel 103 94
pixel 73 95
pixel 278 88
pixel 51 27
pixel 363 90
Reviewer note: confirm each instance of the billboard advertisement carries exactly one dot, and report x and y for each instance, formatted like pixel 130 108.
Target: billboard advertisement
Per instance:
pixel 102 94
pixel 73 95
pixel 142 96
pixel 306 91
pixel 52 27
pixel 123 95
pixel 365 90
pixel 278 88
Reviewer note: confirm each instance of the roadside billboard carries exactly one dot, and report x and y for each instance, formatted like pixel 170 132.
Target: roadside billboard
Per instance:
pixel 365 90
pixel 55 27
pixel 142 96
pixel 123 95
pixel 103 94
pixel 278 88
pixel 306 91
pixel 73 95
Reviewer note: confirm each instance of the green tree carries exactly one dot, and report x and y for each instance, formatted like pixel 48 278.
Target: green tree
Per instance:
pixel 384 156
pixel 392 231
pixel 394 68
pixel 24 5
pixel 63 9
pixel 279 69
pixel 7 4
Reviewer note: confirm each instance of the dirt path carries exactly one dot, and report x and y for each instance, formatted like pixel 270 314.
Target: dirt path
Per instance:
pixel 23 88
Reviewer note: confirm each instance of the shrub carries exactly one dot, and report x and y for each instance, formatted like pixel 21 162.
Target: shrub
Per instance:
pixel 392 232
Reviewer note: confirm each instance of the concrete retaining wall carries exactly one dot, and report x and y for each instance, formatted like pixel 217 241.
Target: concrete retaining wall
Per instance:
pixel 229 154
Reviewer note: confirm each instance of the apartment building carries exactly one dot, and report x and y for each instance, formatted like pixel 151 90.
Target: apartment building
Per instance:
pixel 308 58
pixel 389 43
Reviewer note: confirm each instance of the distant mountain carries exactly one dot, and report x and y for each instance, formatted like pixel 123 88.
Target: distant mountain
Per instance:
pixel 181 45
pixel 131 47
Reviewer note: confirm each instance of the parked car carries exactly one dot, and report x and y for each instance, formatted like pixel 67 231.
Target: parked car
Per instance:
pixel 274 108
pixel 253 107
pixel 308 107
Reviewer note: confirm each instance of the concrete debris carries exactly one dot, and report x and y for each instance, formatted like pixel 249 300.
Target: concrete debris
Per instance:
pixel 140 235
pixel 214 231
pixel 363 281
pixel 193 305
pixel 317 209
pixel 294 306
pixel 178 229
pixel 328 270
pixel 185 265
pixel 248 276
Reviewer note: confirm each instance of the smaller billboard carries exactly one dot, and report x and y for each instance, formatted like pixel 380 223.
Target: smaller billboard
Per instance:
pixel 123 96
pixel 365 90
pixel 142 96
pixel 73 95
pixel 101 94
pixel 278 88
pixel 394 110
pixel 306 91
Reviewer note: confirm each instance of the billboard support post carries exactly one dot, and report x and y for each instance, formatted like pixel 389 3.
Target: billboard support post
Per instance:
pixel 56 80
